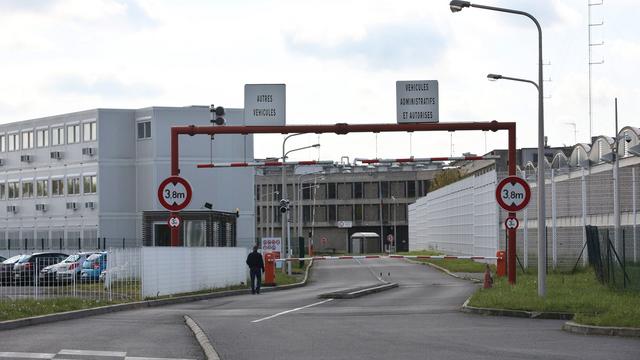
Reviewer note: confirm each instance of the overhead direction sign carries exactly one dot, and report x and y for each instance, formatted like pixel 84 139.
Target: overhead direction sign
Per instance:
pixel 417 101
pixel 265 104
pixel 513 194
pixel 174 193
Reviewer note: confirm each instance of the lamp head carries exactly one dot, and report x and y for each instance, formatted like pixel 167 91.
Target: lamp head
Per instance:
pixel 494 77
pixel 457 5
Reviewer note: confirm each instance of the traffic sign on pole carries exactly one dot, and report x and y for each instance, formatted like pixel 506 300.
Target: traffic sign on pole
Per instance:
pixel 513 194
pixel 174 193
pixel 174 221
pixel 511 223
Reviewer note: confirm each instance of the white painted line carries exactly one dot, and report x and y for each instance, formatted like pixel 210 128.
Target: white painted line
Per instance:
pixel 23 355
pixel 367 289
pixel 149 358
pixel 292 310
pixel 92 353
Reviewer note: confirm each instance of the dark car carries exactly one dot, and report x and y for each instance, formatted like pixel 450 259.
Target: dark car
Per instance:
pixel 6 269
pixel 2 258
pixel 27 268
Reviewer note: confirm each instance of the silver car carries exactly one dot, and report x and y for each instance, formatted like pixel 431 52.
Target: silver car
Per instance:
pixel 69 269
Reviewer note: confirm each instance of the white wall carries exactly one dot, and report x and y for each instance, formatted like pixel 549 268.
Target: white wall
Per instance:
pixel 177 270
pixel 458 219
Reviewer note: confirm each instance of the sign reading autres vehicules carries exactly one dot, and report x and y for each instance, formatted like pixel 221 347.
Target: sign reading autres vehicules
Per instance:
pixel 417 101
pixel 265 104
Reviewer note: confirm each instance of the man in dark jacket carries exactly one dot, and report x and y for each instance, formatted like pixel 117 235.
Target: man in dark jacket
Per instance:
pixel 256 268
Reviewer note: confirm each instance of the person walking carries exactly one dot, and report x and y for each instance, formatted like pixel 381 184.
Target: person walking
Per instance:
pixel 256 268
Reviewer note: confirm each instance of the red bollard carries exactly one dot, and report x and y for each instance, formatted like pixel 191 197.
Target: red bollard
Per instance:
pixel 269 269
pixel 501 266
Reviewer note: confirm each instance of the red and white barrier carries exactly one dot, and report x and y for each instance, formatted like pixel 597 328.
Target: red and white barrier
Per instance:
pixel 415 160
pixel 360 257
pixel 262 164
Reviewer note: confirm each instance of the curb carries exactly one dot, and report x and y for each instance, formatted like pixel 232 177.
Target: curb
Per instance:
pixel 202 339
pixel 77 314
pixel 356 293
pixel 441 269
pixel 576 328
pixel 515 313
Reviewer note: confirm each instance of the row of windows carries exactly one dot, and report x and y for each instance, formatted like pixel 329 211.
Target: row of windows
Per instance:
pixel 331 213
pixel 349 190
pixel 25 139
pixel 40 188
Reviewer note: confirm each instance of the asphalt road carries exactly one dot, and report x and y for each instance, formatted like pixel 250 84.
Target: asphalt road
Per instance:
pixel 418 320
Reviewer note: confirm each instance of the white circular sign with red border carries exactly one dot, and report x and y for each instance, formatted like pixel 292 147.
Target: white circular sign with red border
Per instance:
pixel 513 194
pixel 511 223
pixel 174 193
pixel 174 221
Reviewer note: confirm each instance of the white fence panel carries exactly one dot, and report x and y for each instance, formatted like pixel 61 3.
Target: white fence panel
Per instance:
pixel 461 218
pixel 168 271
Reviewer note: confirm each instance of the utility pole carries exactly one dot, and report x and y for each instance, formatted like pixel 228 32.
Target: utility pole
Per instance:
pixel 591 62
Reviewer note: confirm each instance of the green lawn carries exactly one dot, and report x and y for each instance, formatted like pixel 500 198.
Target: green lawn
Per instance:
pixel 18 309
pixel 453 265
pixel 579 293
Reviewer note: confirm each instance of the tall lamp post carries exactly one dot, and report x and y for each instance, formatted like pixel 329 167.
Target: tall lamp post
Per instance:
pixel 456 6
pixel 395 234
pixel 285 219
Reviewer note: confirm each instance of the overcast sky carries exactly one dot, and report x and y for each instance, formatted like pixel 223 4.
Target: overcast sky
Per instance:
pixel 340 60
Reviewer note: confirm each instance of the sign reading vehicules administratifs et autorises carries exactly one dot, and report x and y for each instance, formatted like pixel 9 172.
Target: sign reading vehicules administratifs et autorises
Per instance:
pixel 417 101
pixel 265 104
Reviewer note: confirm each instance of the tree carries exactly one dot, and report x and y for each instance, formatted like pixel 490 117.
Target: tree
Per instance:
pixel 444 178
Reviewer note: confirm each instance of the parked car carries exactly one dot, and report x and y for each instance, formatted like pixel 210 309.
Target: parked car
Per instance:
pixel 6 269
pixel 25 270
pixel 93 266
pixel 71 268
pixel 2 258
pixel 48 275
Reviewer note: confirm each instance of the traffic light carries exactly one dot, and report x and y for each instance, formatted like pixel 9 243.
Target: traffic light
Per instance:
pixel 217 114
pixel 284 205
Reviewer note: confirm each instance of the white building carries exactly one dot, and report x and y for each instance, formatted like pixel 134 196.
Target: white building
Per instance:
pixel 68 180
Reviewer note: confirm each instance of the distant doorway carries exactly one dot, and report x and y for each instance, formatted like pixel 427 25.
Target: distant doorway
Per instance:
pixel 161 234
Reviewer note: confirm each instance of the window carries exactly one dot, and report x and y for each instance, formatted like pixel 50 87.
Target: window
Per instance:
pixel 2 143
pixel 331 194
pixel 332 213
pixel 57 136
pixel 14 142
pixel 42 188
pixel 89 130
pixel 73 134
pixel 144 130
pixel 27 189
pixel 357 190
pixel 73 185
pixel 2 190
pixel 57 187
pixel 90 184
pixel 13 190
pixel 27 140
pixel 411 189
pixel 42 138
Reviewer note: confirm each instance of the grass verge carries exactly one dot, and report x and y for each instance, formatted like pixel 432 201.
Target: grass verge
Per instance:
pixel 17 309
pixel 578 293
pixel 453 265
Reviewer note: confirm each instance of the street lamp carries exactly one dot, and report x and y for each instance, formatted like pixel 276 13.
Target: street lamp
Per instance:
pixel 285 219
pixel 456 6
pixel 395 210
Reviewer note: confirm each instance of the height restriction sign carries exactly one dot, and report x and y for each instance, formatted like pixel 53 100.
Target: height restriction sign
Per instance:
pixel 174 193
pixel 513 194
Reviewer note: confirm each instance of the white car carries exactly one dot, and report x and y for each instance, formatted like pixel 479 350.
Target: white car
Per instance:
pixel 69 269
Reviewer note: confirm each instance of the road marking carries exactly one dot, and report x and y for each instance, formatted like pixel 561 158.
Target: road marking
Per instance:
pixel 26 355
pixel 117 354
pixel 92 353
pixel 292 310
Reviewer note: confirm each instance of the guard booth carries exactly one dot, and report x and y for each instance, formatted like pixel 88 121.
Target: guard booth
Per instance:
pixel 364 242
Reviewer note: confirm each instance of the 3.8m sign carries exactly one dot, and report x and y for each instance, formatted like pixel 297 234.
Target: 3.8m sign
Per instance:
pixel 174 193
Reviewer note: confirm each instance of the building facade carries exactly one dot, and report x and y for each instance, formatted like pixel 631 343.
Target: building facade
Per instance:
pixel 67 181
pixel 331 203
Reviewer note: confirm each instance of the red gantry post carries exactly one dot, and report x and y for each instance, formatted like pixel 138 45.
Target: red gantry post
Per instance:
pixel 342 129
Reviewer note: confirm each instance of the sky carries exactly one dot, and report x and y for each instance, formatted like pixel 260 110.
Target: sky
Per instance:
pixel 339 59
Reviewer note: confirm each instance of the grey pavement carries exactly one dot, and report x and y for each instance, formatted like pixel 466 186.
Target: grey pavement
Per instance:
pixel 418 320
